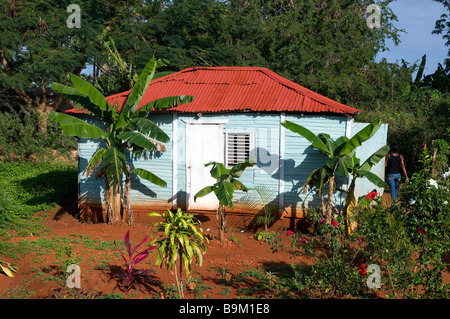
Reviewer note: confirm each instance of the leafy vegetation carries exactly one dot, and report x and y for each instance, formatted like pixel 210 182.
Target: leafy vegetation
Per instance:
pixel 226 183
pixel 120 129
pixel 27 187
pixel 341 160
pixel 182 242
pixel 410 239
pixel 134 257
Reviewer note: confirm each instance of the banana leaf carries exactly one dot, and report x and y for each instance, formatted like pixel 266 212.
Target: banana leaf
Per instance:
pixel 372 178
pixel 114 164
pixel 148 127
pixel 138 139
pixel 310 136
pixel 76 96
pixel 152 178
pixel 203 192
pixel 375 158
pixel 360 137
pixel 90 91
pixel 94 161
pixel 73 126
pixel 218 169
pixel 137 92
pixel 238 169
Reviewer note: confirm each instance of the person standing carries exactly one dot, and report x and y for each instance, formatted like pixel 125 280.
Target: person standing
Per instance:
pixel 395 165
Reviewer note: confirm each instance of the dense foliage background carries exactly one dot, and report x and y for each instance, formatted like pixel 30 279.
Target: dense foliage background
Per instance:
pixel 323 45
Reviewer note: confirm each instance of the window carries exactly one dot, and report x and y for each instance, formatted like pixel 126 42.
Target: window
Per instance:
pixel 238 147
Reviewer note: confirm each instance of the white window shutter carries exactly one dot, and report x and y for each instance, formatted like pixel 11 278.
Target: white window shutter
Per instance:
pixel 239 147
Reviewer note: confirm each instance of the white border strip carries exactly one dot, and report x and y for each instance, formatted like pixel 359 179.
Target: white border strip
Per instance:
pixel 175 161
pixel 281 162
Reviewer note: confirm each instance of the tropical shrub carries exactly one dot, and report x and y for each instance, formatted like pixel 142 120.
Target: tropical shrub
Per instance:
pixel 182 242
pixel 134 257
pixel 334 270
pixel 409 239
pixel 21 138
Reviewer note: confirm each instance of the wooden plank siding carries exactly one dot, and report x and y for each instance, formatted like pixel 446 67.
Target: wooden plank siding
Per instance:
pixel 301 159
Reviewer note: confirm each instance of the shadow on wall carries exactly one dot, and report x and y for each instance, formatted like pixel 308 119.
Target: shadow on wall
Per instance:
pixel 296 201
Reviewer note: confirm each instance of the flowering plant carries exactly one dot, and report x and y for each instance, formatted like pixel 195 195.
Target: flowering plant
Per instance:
pixel 367 199
pixel 371 195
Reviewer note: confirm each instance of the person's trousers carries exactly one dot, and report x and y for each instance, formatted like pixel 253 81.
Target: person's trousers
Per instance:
pixel 394 182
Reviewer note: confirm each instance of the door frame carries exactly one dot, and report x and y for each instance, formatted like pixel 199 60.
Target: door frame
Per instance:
pixel 190 143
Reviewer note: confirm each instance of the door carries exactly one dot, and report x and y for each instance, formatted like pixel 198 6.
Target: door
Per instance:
pixel 204 144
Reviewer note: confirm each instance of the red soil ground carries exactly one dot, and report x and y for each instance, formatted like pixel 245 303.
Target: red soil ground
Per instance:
pixel 38 273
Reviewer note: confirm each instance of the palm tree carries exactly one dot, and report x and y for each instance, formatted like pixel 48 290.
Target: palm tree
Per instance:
pixel 128 129
pixel 337 152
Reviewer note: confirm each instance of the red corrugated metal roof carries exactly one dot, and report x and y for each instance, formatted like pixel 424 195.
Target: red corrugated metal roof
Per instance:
pixel 228 89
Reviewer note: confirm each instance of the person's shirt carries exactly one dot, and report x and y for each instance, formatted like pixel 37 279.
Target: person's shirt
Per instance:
pixel 394 164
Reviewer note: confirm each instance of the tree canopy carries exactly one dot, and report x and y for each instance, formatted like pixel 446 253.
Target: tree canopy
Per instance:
pixel 323 45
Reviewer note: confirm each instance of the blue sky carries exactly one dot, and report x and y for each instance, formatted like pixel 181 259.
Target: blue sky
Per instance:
pixel 417 18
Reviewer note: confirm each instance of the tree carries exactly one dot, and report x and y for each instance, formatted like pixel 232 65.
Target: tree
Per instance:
pixel 323 45
pixel 224 188
pixel 442 25
pixel 37 47
pixel 338 153
pixel 119 130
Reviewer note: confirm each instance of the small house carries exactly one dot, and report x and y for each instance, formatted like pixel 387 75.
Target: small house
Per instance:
pixel 236 114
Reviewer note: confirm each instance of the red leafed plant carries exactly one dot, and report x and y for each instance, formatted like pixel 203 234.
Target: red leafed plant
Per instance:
pixel 134 257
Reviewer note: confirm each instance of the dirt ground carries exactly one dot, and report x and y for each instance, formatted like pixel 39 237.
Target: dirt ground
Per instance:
pixel 39 274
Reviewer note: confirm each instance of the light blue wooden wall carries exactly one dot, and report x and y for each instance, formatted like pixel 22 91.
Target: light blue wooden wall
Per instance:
pixel 363 186
pixel 299 160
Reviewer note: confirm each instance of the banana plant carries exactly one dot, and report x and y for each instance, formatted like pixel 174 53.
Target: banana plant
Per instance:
pixel 357 170
pixel 224 188
pixel 337 153
pixel 120 129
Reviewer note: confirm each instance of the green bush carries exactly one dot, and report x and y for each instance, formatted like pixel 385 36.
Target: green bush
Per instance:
pixel 21 138
pixel 335 258
pixel 409 239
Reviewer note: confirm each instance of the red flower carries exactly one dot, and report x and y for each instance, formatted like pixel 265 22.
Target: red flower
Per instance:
pixel 371 195
pixel 335 223
pixel 360 240
pixel 421 231
pixel 362 269
pixel 304 240
pixel 289 233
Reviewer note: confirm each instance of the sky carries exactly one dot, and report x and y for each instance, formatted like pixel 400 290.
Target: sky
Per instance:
pixel 417 18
